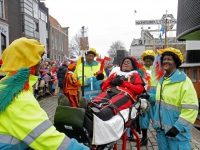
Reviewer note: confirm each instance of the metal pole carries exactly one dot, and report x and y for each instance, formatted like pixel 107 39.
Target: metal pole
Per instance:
pixel 166 31
pixel 82 60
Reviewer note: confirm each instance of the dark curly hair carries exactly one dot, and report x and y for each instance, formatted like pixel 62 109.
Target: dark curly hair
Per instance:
pixel 174 56
pixel 148 57
pixel 132 62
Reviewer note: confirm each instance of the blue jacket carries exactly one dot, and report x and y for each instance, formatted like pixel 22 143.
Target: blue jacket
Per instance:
pixel 91 84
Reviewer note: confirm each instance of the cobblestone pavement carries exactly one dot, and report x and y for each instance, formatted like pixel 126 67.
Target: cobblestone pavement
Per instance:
pixel 49 104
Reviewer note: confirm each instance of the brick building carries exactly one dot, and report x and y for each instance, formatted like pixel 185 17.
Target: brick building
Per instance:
pixel 59 40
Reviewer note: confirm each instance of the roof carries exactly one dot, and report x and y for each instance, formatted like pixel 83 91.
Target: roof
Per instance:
pixel 190 65
pixel 55 23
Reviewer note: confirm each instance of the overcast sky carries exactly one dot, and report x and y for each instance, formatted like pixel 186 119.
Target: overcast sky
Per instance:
pixel 109 21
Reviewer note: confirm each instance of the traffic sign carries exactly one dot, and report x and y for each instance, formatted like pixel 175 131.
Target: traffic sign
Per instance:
pixel 171 21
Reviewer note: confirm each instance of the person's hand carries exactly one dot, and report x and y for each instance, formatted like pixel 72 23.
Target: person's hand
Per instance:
pixel 145 96
pixel 100 76
pixel 172 132
pixel 116 81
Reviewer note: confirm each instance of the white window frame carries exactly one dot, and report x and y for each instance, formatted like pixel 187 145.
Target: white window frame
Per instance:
pixel 52 42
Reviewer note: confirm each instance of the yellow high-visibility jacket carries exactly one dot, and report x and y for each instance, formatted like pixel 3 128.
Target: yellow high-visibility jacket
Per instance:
pixel 25 124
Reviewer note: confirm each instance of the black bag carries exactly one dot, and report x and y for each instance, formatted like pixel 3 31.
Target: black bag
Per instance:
pixel 74 122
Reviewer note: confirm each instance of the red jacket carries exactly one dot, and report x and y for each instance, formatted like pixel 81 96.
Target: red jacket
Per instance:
pixel 133 86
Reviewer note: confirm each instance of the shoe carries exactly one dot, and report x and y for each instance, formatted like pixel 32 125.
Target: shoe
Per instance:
pixel 144 142
pixel 131 138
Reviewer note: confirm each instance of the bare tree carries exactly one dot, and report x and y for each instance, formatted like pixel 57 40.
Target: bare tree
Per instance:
pixel 118 45
pixel 74 46
pixel 112 52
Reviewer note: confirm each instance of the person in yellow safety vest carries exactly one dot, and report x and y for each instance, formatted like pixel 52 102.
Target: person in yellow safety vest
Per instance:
pixel 91 82
pixel 176 105
pixel 147 58
pixel 23 123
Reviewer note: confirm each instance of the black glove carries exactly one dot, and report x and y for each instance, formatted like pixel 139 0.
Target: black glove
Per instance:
pixel 145 96
pixel 172 132
pixel 100 76
pixel 116 82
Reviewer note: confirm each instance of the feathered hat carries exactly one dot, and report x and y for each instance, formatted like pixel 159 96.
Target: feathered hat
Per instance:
pixel 157 70
pixel 150 53
pixel 92 51
pixel 19 60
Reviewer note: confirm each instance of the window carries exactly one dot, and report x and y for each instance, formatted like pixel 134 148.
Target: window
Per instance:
pixel 43 16
pixel 28 26
pixel 1 9
pixel 3 42
pixel 35 10
pixel 26 6
pixel 194 75
pixel 55 41
pixel 184 70
pixel 61 45
pixel 36 26
pixel 52 42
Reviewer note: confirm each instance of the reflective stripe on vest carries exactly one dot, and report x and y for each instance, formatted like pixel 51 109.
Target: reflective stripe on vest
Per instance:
pixel 170 106
pixel 185 122
pixel 37 131
pixel 92 92
pixel 9 139
pixel 65 143
pixel 166 127
pixel 195 107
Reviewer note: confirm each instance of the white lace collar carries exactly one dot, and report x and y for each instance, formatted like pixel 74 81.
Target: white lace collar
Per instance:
pixel 126 74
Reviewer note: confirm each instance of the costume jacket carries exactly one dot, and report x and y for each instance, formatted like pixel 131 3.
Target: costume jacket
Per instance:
pixel 71 88
pixel 91 84
pixel 132 84
pixel 176 105
pixel 71 84
pixel 16 133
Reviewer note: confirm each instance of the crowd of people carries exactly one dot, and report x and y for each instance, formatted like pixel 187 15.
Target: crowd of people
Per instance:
pixel 51 77
pixel 172 97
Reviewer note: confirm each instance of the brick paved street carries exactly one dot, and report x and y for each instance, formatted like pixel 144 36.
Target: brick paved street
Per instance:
pixel 49 104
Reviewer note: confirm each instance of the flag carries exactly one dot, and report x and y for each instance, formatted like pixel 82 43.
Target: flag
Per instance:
pixel 163 29
pixel 135 11
pixel 160 37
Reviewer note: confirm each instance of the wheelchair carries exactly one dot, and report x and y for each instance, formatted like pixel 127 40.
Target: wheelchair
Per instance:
pixel 79 123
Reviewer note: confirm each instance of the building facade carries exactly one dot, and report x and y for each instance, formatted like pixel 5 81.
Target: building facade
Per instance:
pixel 59 40
pixel 148 42
pixel 4 27
pixel 28 18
